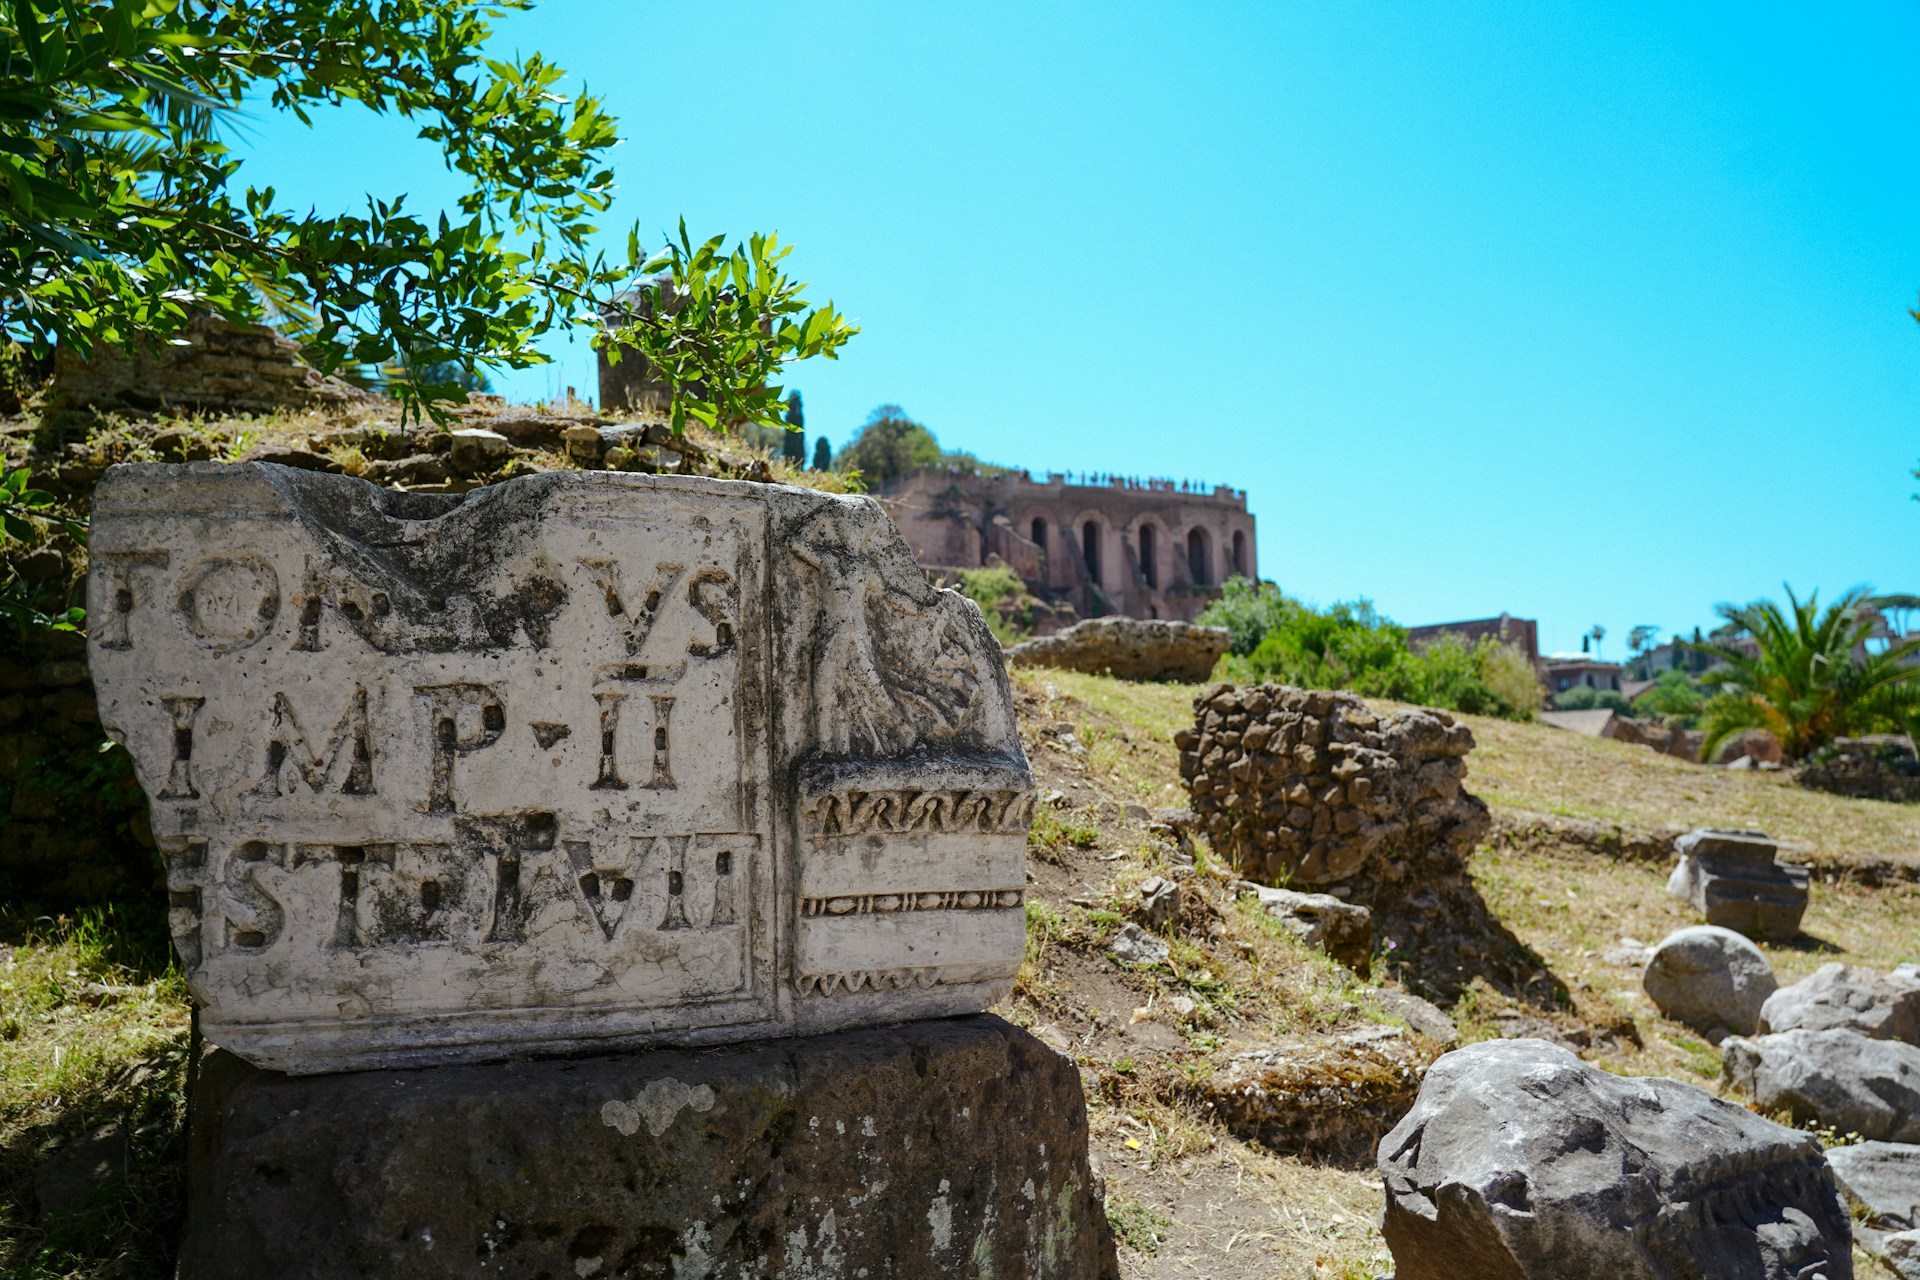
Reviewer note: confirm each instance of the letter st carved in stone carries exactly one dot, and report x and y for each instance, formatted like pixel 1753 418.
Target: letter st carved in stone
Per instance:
pixel 554 763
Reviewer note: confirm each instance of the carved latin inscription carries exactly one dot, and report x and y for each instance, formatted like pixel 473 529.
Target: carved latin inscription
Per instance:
pixel 440 779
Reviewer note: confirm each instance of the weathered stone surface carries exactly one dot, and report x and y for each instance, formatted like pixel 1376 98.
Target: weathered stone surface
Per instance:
pixel 1840 995
pixel 1902 1252
pixel 1520 1162
pixel 1308 787
pixel 1731 879
pixel 1344 930
pixel 1130 648
pixel 1134 945
pixel 1841 1079
pixel 1882 767
pixel 1709 978
pixel 947 1147
pixel 567 761
pixel 1159 901
pixel 1885 1178
pixel 1426 1018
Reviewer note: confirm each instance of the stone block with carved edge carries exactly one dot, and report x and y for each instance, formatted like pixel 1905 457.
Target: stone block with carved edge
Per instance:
pixel 573 761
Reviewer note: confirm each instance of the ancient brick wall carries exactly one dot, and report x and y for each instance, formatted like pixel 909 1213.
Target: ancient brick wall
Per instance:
pixel 218 366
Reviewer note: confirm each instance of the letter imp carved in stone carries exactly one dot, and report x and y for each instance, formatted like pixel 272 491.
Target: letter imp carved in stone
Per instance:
pixel 576 759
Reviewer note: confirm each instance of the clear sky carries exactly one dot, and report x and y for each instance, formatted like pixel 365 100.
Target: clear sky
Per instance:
pixel 1590 313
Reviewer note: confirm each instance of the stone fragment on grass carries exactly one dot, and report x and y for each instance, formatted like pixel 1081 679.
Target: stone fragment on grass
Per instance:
pixel 476 450
pixel 1134 945
pixel 1709 978
pixel 1733 880
pixel 1841 995
pixel 1520 1162
pixel 1159 902
pixel 1344 930
pixel 1901 1251
pixel 1426 1018
pixel 1885 1178
pixel 1839 1079
pixel 1130 648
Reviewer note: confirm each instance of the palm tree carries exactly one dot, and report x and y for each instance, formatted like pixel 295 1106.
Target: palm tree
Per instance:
pixel 1810 679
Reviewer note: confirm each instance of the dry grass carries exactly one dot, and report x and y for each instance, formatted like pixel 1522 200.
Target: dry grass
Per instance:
pixel 94 1032
pixel 1530 766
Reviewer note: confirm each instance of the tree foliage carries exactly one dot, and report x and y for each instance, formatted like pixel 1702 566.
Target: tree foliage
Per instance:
pixel 123 212
pixel 1811 679
pixel 890 446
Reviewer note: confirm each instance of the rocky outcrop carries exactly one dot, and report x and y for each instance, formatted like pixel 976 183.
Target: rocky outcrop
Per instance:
pixel 932 1148
pixel 1732 879
pixel 1130 648
pixel 1709 978
pixel 1839 1079
pixel 1520 1162
pixel 1883 767
pixel 1307 787
pixel 1841 996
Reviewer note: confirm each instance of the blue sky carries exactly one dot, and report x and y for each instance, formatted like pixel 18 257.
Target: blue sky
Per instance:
pixel 1591 313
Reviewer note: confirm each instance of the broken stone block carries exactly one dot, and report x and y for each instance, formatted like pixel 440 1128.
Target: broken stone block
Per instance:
pixel 1841 995
pixel 1518 1161
pixel 1885 1178
pixel 1159 901
pixel 1134 945
pixel 1839 1079
pixel 1709 978
pixel 570 761
pixel 1344 930
pixel 945 1147
pixel 1732 880
pixel 1901 1251
pixel 476 450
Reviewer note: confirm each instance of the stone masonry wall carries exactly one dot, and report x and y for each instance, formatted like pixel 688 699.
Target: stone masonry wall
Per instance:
pixel 1311 788
pixel 220 366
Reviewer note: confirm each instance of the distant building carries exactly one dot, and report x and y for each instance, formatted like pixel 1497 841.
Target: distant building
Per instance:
pixel 1564 671
pixel 1522 633
pixel 1140 548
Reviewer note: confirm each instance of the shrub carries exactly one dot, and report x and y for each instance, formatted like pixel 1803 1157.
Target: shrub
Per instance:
pixel 1350 646
pixel 1583 697
pixel 988 587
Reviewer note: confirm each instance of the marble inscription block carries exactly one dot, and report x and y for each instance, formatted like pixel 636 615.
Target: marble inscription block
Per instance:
pixel 577 759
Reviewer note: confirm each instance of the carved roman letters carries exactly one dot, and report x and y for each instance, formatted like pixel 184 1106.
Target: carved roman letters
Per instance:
pixel 636 617
pixel 127 574
pixel 291 760
pixel 181 711
pixel 254 916
pixel 228 601
pixel 464 718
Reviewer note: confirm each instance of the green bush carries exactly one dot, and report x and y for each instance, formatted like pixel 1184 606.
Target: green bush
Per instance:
pixel 1350 646
pixel 1675 698
pixel 987 587
pixel 1583 697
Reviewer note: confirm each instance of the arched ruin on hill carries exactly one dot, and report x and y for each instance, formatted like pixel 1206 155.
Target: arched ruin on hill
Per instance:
pixel 1140 548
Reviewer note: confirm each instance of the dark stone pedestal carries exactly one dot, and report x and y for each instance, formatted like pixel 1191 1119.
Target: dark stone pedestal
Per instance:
pixel 937 1148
